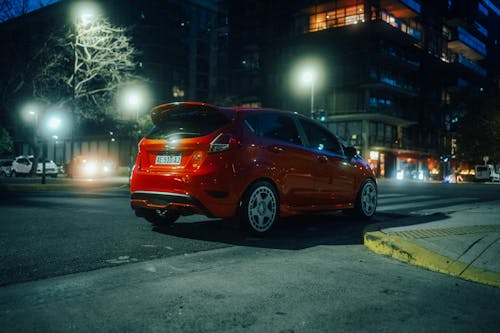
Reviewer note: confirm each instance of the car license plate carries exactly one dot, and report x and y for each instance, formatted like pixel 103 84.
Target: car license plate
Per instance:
pixel 169 159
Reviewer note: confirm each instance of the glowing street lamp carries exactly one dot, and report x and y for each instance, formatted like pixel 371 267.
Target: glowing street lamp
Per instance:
pixel 133 102
pixel 54 123
pixel 133 99
pixel 308 77
pixel 83 13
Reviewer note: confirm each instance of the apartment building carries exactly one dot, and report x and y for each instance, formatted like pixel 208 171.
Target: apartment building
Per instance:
pixel 391 77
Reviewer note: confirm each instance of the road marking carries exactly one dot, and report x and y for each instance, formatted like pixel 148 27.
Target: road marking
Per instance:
pixel 426 203
pixel 122 260
pixel 382 196
pixel 405 198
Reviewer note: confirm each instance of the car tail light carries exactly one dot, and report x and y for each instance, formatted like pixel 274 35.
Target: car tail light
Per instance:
pixel 221 143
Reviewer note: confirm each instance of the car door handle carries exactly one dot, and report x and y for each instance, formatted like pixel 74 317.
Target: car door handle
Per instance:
pixel 275 149
pixel 322 159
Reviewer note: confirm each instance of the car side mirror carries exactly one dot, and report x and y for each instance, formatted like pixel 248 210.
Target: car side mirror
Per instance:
pixel 350 151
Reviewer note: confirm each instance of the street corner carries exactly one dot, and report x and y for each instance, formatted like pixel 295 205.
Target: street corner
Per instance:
pixel 413 252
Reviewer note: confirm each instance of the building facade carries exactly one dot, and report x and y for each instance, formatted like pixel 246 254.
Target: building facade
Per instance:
pixel 391 77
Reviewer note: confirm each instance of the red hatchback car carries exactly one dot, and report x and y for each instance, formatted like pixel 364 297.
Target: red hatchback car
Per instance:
pixel 254 164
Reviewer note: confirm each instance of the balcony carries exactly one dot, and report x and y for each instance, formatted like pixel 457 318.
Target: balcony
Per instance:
pixel 491 6
pixel 401 8
pixel 471 65
pixel 400 25
pixel 388 81
pixel 466 44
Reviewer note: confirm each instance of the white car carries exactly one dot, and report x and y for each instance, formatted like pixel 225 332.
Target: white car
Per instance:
pixel 21 166
pixel 486 172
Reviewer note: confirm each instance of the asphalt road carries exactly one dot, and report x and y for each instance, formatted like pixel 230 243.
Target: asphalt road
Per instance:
pixel 310 274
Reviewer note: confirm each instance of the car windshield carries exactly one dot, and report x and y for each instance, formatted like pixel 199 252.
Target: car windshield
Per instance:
pixel 187 124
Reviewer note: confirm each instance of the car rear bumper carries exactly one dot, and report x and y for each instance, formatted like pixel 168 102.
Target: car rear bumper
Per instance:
pixel 169 201
pixel 209 194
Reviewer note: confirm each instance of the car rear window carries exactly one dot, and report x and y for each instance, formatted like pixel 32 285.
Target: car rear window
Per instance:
pixel 274 126
pixel 189 123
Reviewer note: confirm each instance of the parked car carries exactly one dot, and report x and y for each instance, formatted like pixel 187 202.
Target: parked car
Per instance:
pixel 486 172
pixel 5 167
pixel 91 167
pixel 21 166
pixel 254 164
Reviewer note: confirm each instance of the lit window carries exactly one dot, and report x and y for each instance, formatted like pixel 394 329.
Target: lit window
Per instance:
pixel 336 18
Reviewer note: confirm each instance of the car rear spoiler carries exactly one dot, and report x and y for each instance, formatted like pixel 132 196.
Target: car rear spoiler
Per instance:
pixel 158 112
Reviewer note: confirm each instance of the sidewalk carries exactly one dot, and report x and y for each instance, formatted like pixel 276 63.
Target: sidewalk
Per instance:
pixel 464 243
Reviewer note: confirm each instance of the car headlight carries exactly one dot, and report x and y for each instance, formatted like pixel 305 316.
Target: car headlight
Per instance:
pixel 90 168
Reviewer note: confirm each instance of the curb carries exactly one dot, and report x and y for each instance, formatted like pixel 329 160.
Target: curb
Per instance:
pixel 414 254
pixel 49 187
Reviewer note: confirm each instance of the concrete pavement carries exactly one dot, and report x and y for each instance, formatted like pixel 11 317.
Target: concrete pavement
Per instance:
pixel 464 242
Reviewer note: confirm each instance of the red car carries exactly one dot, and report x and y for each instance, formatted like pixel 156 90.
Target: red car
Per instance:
pixel 254 164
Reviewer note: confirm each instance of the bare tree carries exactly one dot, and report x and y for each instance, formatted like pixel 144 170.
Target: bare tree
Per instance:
pixel 85 66
pixel 103 62
pixel 79 68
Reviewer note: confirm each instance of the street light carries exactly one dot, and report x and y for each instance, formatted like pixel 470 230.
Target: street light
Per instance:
pixel 45 125
pixel 309 77
pixel 308 71
pixel 53 124
pixel 133 99
pixel 83 13
pixel 134 103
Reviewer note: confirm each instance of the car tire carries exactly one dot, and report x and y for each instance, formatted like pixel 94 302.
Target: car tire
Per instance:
pixel 259 208
pixel 13 174
pixel 366 200
pixel 160 217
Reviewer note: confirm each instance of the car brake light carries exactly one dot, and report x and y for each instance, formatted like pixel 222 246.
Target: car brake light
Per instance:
pixel 221 143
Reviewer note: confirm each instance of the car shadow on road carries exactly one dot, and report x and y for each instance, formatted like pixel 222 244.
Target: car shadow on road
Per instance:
pixel 293 233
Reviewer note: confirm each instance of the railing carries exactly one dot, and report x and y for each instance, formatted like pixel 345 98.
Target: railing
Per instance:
pixel 471 65
pixel 400 25
pixel 393 81
pixel 414 5
pixel 473 42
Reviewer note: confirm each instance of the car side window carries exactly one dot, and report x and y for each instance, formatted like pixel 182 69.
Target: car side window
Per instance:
pixel 278 127
pixel 320 138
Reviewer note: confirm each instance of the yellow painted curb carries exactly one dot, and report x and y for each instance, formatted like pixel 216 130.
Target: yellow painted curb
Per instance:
pixel 407 251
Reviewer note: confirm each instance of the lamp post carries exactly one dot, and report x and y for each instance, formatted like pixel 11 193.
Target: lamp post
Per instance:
pixel 53 125
pixel 31 114
pixel 83 13
pixel 134 104
pixel 133 99
pixel 308 77
pixel 45 125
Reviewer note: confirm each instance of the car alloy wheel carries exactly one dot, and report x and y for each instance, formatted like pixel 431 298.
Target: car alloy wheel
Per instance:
pixel 367 199
pixel 260 207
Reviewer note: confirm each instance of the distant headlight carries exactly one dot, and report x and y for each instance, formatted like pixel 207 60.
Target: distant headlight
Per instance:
pixel 90 168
